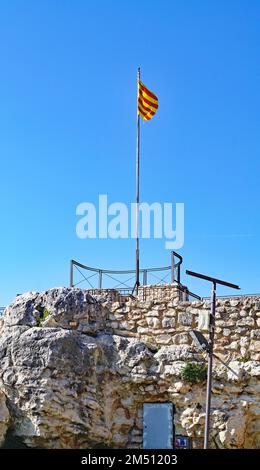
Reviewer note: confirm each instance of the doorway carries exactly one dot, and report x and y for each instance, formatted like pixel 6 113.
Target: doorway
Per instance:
pixel 158 426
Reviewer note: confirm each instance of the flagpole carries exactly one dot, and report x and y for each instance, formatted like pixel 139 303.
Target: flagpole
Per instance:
pixel 137 277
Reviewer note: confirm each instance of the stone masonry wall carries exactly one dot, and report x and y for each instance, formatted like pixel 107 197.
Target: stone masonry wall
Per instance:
pixel 162 319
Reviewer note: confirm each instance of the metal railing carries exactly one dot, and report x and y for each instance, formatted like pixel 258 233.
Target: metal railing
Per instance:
pixel 97 278
pixel 233 296
pixel 103 281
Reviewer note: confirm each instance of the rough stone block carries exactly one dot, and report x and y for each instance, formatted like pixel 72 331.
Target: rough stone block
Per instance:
pixel 185 318
pixel 169 312
pixel 226 332
pixel 152 313
pixel 142 331
pixel 153 322
pixel 168 322
pixel 247 321
pixel 127 325
pixel 255 334
pixel 127 333
pixel 255 346
pixel 243 313
pixel 164 339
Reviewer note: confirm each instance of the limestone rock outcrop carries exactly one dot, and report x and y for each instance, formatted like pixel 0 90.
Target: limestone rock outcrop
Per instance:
pixel 75 372
pixel 4 418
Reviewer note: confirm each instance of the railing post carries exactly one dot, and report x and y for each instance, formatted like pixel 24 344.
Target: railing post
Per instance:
pixel 100 279
pixel 71 274
pixel 181 293
pixel 145 277
pixel 186 294
pixel 172 267
pixel 179 274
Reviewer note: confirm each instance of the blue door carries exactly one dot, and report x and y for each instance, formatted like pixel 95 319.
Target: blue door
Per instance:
pixel 158 426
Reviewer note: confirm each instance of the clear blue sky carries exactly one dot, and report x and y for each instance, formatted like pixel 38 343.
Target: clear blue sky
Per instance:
pixel 68 129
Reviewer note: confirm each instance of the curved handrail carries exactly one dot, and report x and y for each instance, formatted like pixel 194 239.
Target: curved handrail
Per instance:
pixel 172 267
pixel 109 271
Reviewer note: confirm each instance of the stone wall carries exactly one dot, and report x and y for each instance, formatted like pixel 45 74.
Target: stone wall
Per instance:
pixel 76 368
pixel 162 319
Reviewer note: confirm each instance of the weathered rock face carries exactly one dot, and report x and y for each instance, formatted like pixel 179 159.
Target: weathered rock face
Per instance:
pixel 4 418
pixel 76 370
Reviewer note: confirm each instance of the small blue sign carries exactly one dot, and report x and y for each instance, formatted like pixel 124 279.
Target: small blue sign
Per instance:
pixel 182 442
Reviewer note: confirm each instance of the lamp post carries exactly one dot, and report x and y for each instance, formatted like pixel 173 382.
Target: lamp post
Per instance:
pixel 210 346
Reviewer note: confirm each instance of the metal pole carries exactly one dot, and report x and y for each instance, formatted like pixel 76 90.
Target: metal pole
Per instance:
pixel 179 274
pixel 137 279
pixel 214 281
pixel 210 363
pixel 186 294
pixel 100 279
pixel 71 273
pixel 145 277
pixel 172 267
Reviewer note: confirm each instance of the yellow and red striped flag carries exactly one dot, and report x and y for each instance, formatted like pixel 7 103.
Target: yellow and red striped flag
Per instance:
pixel 147 102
